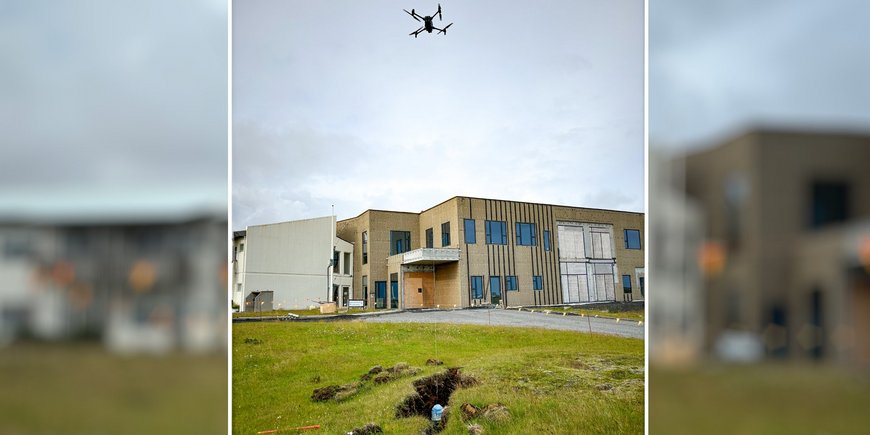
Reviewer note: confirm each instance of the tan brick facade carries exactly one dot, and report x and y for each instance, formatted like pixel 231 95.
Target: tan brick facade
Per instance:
pixel 450 283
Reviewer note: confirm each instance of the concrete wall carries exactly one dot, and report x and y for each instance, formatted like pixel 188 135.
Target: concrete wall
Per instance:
pixel 290 259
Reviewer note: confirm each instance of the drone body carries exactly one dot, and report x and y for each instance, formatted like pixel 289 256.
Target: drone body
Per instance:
pixel 427 22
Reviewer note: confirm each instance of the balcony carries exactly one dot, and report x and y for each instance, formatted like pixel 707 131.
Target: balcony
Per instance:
pixel 431 256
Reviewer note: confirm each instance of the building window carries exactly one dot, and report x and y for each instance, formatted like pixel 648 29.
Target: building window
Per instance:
pixel 640 282
pixel 830 203
pixel 626 283
pixel 235 253
pixel 526 234
pixel 477 287
pixel 445 234
pixel 510 283
pixel 546 240
pixel 347 263
pixel 632 239
pixel 430 238
pixel 365 247
pixel 335 262
pixel 496 233
pixel 365 286
pixel 538 282
pixel 400 241
pixel 241 247
pixel 470 235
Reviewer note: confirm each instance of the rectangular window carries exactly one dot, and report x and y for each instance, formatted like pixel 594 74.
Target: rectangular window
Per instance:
pixel 430 238
pixel 626 283
pixel 477 287
pixel 496 233
pixel 400 241
pixel 365 247
pixel 347 263
pixel 510 283
pixel 235 249
pixel 640 282
pixel 830 203
pixel 470 235
pixel 538 282
pixel 526 234
pixel 546 240
pixel 365 287
pixel 241 247
pixel 445 234
pixel 335 262
pixel 632 239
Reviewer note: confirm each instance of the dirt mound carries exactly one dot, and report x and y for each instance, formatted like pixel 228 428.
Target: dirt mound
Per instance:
pixel 431 390
pixel 368 429
pixel 434 362
pixel 337 392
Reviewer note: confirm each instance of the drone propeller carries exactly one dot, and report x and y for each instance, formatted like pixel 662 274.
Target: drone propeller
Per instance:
pixel 412 14
pixel 439 11
pixel 444 30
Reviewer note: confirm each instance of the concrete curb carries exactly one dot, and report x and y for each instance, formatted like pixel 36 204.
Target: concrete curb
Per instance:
pixel 565 313
pixel 324 317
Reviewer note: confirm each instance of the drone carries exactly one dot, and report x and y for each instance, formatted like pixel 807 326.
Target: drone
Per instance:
pixel 427 22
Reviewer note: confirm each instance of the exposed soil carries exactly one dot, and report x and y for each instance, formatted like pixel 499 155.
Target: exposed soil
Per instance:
pixel 368 429
pixel 431 390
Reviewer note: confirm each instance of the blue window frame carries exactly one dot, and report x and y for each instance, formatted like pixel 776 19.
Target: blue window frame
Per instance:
pixel 400 241
pixel 626 283
pixel 470 235
pixel 526 234
pixel 538 282
pixel 430 238
pixel 632 239
pixel 546 240
pixel 510 283
pixel 496 233
pixel 445 234
pixel 477 287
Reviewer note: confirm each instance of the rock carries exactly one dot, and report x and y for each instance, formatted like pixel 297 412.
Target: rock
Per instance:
pixel 495 412
pixel 469 411
pixel 475 429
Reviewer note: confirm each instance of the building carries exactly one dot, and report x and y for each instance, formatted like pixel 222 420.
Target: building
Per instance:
pixel 787 242
pixel 138 283
pixel 291 265
pixel 468 252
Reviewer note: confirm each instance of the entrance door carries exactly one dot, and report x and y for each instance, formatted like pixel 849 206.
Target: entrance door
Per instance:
pixel 380 294
pixel 394 294
pixel 495 289
pixel 345 295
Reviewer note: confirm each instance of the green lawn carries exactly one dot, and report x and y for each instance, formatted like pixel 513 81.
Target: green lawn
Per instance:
pixel 551 381
pixel 764 399
pixel 73 389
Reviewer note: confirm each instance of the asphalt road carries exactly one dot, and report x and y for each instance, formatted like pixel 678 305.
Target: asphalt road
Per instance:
pixel 499 317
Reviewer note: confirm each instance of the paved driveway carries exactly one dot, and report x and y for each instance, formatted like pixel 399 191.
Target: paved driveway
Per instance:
pixel 498 317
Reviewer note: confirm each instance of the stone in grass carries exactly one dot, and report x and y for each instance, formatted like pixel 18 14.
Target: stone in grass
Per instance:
pixel 434 362
pixel 495 412
pixel 469 411
pixel 475 429
pixel 368 429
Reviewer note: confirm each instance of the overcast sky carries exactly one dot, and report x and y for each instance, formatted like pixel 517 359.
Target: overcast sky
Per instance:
pixel 113 104
pixel 719 66
pixel 334 103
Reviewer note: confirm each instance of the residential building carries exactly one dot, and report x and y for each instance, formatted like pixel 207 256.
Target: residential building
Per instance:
pixel 468 252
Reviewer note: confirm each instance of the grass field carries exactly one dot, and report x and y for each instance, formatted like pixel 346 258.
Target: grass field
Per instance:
pixel 551 381
pixel 764 399
pixel 81 389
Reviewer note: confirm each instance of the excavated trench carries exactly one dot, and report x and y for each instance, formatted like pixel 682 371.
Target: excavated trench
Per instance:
pixel 432 390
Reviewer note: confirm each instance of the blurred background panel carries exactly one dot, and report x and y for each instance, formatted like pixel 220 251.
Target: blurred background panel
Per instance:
pixel 759 202
pixel 113 216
